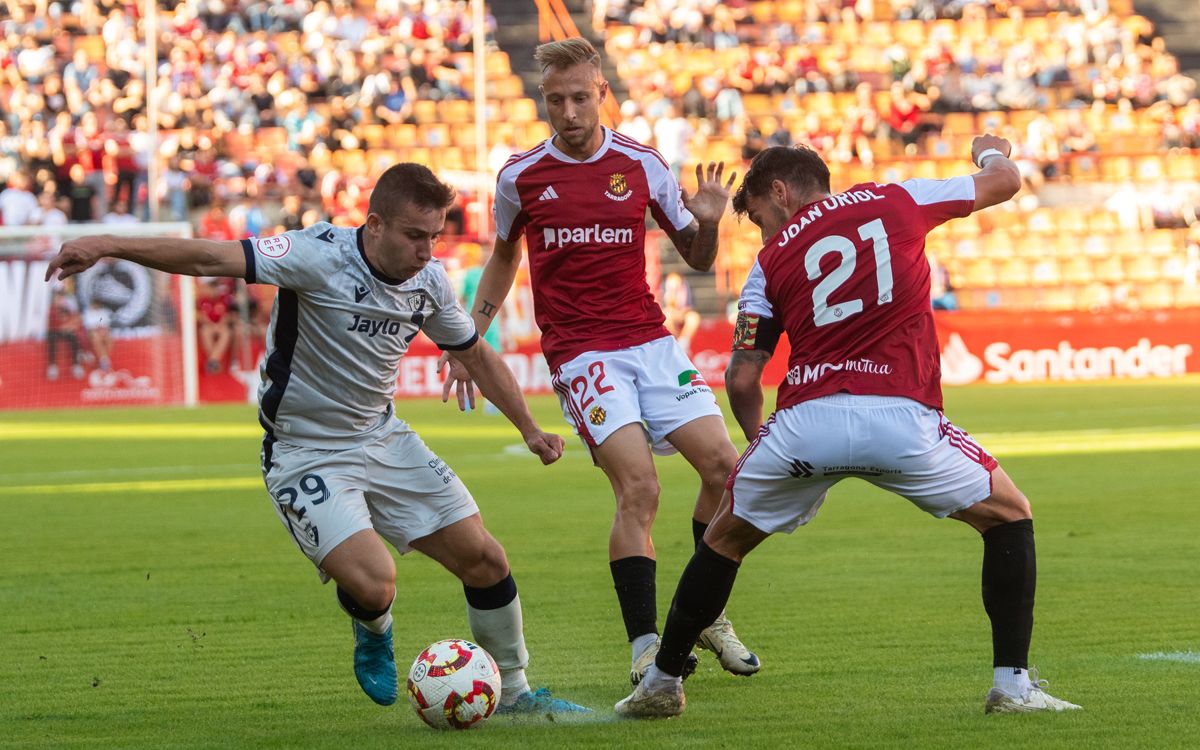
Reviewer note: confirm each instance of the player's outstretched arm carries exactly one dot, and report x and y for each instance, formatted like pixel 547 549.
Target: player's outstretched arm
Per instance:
pixel 998 178
pixel 743 384
pixel 170 254
pixel 494 285
pixel 697 242
pixel 500 387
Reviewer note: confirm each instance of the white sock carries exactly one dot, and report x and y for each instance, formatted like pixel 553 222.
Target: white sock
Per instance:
pixel 379 625
pixel 656 680
pixel 644 641
pixel 501 634
pixel 512 685
pixel 1012 680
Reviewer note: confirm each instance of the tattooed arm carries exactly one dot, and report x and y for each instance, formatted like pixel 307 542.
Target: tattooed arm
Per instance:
pixel 743 384
pixel 498 276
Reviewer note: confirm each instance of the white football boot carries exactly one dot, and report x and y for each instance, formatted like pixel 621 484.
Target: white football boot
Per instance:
pixel 735 658
pixel 644 703
pixel 646 658
pixel 1035 699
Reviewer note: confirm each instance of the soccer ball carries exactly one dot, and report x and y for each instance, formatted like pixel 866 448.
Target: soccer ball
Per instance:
pixel 454 684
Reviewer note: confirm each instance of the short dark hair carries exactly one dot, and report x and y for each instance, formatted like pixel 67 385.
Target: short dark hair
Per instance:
pixel 798 166
pixel 407 183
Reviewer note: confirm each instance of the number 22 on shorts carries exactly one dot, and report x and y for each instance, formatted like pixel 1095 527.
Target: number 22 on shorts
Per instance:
pixel 580 383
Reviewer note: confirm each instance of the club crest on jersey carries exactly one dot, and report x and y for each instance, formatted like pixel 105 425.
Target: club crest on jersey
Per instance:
pixel 618 188
pixel 597 416
pixel 416 301
pixel 273 247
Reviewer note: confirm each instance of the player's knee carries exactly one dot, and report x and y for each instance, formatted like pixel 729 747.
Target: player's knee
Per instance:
pixel 638 499
pixel 484 566
pixel 374 596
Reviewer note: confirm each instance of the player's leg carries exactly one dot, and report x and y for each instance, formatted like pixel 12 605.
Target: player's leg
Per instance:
pixel 1009 581
pixel 626 460
pixel 700 597
pixel 705 443
pixel 473 555
pixel 365 575
pixel 943 471
pixel 321 504
pixel 767 494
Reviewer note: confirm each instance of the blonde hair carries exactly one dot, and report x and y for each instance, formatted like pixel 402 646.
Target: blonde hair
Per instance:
pixel 567 53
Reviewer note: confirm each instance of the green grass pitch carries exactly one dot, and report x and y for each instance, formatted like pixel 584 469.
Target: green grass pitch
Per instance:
pixel 149 598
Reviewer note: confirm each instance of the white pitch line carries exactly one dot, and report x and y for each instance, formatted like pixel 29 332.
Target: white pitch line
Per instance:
pixel 1187 657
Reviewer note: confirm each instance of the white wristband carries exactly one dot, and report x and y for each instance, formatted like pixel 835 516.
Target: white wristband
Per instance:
pixel 979 162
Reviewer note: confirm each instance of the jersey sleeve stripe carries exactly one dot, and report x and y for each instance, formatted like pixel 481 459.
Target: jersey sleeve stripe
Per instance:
pixel 251 267
pixel 279 364
pixel 627 142
pixel 460 347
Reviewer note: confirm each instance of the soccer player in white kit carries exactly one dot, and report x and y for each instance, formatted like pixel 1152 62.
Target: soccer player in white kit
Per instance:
pixel 342 471
pixel 845 276
pixel 580 199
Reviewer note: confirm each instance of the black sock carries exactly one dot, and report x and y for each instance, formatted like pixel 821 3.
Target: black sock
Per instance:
pixel 1009 580
pixel 356 610
pixel 493 597
pixel 701 596
pixel 698 530
pixel 633 578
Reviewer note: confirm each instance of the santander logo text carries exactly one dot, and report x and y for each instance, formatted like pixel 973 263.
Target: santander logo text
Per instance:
pixel 1002 363
pixel 563 236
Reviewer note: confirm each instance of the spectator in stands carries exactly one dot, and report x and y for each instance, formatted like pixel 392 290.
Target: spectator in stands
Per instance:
pixel 119 214
pixel 682 319
pixel 82 195
pixel 18 206
pixel 215 315
pixel 671 136
pixel 214 225
pixel 52 210
pixel 63 327
pixel 290 214
pixel 95 324
pixel 941 291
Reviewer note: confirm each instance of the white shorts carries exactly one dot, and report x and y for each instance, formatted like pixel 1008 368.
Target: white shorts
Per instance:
pixel 653 384
pixel 393 484
pixel 900 445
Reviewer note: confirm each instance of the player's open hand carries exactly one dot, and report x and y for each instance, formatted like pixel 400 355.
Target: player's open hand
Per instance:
pixel 711 198
pixel 546 446
pixel 78 255
pixel 458 379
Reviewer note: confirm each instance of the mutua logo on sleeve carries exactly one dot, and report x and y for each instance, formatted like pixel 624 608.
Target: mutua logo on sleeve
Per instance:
pixel 273 247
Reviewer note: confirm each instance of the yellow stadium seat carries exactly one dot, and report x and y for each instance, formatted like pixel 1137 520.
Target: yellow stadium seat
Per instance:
pixel 980 274
pixel 1109 270
pixel 1143 268
pixel 1045 273
pixel 1078 271
pixel 1014 272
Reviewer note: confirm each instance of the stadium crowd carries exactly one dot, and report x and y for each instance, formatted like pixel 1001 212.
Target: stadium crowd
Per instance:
pixel 275 114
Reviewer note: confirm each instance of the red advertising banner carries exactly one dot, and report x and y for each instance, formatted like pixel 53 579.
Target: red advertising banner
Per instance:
pixel 1014 347
pixel 990 347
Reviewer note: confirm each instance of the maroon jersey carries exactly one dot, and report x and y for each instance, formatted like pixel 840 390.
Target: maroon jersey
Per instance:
pixel 847 279
pixel 585 229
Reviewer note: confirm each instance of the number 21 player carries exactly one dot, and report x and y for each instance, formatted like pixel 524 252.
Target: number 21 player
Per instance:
pixel 846 277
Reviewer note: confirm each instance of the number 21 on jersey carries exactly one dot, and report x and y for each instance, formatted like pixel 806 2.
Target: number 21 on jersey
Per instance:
pixel 825 313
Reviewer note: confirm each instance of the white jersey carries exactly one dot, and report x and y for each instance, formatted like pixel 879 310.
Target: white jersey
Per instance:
pixel 338 330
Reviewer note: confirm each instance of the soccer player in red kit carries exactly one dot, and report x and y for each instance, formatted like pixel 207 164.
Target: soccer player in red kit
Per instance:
pixel 845 276
pixel 580 198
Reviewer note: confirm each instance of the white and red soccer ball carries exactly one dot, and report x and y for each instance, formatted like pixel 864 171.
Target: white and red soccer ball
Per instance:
pixel 454 684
